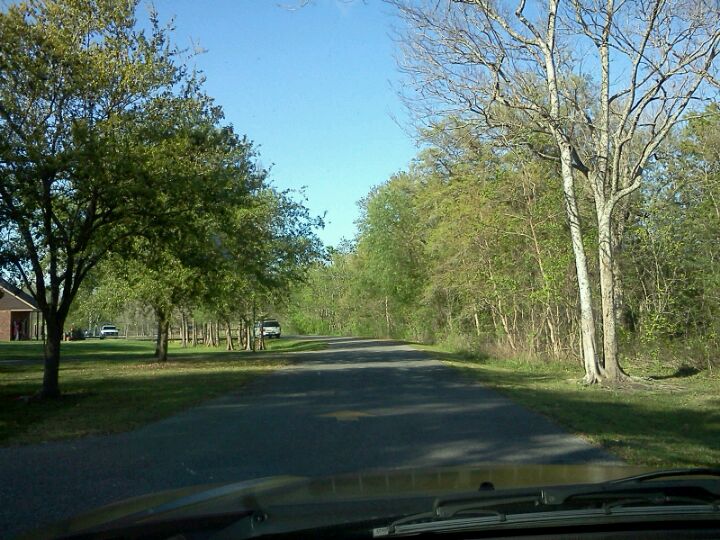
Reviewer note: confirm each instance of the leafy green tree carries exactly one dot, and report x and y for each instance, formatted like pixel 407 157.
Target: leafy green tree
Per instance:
pixel 673 262
pixel 88 110
pixel 266 243
pixel 102 297
pixel 602 115
pixel 325 302
pixel 391 248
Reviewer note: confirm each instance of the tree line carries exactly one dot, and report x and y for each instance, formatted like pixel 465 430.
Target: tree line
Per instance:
pixel 118 170
pixel 470 247
pixel 595 89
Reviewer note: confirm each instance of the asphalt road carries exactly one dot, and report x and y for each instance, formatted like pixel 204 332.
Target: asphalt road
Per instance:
pixel 360 405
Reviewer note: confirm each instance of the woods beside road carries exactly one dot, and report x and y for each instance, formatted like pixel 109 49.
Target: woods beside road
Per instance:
pixel 564 204
pixel 545 218
pixel 556 238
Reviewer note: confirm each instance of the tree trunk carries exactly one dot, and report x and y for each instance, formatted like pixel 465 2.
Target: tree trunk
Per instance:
pixel 252 322
pixel 228 337
pixel 587 319
pixel 194 333
pixel 541 266
pixel 183 333
pixel 622 213
pixel 162 350
pixel 262 336
pixel 611 364
pixel 496 326
pixel 50 386
pixel 387 318
pixel 552 332
pixel 248 336
pixel 161 347
pixel 241 335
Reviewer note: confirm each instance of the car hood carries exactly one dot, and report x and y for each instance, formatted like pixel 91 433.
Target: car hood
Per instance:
pixel 323 500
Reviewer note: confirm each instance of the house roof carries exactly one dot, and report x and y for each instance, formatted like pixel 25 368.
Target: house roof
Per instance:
pixel 23 300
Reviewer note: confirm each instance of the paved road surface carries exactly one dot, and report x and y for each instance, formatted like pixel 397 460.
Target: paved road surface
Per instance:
pixel 359 405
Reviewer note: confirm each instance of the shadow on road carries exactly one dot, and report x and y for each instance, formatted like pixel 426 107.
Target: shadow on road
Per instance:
pixel 381 404
pixel 360 343
pixel 360 405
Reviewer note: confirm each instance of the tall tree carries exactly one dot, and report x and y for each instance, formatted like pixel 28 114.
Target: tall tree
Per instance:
pixel 391 248
pixel 84 129
pixel 595 86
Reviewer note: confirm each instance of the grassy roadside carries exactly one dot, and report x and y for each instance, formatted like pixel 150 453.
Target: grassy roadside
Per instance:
pixel 672 421
pixel 114 385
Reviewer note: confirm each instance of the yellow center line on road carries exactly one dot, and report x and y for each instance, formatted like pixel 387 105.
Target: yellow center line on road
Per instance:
pixel 345 416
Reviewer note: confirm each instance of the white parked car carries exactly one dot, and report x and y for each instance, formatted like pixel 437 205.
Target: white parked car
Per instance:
pixel 109 330
pixel 271 329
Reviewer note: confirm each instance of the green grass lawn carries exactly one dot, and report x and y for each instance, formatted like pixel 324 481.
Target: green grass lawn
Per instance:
pixel 114 385
pixel 672 420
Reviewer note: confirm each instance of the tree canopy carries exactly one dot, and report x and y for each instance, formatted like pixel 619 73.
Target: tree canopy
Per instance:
pixel 478 236
pixel 109 147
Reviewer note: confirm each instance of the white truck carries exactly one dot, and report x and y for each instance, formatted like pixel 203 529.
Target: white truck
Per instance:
pixel 109 330
pixel 270 329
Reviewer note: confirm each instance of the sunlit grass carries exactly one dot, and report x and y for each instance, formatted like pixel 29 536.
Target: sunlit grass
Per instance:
pixel 671 419
pixel 115 385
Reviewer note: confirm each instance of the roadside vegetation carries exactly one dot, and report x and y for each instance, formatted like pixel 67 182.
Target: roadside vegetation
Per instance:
pixel 117 385
pixel 123 188
pixel 470 249
pixel 669 418
pixel 561 220
pixel 491 240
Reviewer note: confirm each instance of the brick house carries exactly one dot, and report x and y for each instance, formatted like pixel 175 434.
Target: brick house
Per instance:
pixel 20 317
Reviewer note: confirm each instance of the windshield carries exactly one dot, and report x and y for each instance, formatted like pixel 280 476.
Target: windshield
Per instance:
pixel 342 237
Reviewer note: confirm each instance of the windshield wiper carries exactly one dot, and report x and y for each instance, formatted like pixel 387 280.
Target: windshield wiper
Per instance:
pixel 698 485
pixel 696 472
pixel 678 491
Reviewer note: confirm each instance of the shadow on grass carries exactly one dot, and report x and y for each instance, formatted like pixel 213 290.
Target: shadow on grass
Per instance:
pixel 116 385
pixel 112 404
pixel 296 346
pixel 656 428
pixel 119 349
pixel 680 373
pixel 13 355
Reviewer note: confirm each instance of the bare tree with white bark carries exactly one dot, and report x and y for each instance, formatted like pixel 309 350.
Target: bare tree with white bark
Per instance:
pixel 595 85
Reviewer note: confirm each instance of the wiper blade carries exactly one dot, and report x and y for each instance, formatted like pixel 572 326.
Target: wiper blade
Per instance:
pixel 678 489
pixel 613 496
pixel 587 518
pixel 700 486
pixel 697 472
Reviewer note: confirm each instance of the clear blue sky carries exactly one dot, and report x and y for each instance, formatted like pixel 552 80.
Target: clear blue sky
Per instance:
pixel 313 88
